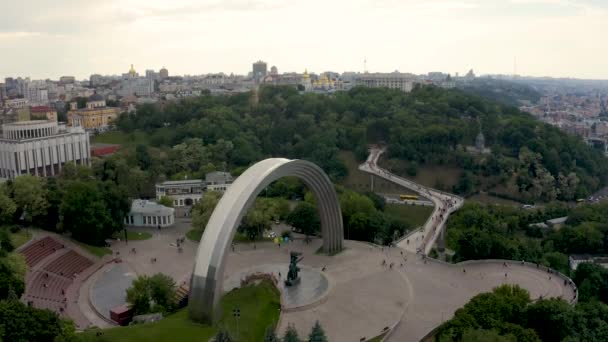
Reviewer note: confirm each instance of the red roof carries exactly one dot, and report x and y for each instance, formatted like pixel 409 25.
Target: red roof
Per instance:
pixel 41 109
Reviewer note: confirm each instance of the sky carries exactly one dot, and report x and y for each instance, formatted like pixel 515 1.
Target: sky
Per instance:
pixel 558 38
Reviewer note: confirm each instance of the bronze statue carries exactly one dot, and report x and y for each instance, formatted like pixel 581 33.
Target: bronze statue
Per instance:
pixel 292 275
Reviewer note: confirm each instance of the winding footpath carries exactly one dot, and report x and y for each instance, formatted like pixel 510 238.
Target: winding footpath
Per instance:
pixel 423 239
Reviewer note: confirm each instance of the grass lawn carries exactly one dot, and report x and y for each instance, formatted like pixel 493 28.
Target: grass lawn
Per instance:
pixel 259 306
pixel 377 338
pixel 489 199
pixel 120 138
pixel 20 237
pixel 436 176
pixel 412 215
pixel 95 250
pixel 132 236
pixel 194 235
pixel 361 181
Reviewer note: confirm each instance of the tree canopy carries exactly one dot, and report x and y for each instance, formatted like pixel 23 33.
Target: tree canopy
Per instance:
pixel 426 126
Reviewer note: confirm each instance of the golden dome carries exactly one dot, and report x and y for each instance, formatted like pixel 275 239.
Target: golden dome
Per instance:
pixel 306 75
pixel 132 70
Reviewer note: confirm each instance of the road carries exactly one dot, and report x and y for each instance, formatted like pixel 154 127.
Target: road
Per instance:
pixel 423 239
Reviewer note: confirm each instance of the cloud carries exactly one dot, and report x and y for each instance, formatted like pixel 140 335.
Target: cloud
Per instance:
pixel 147 9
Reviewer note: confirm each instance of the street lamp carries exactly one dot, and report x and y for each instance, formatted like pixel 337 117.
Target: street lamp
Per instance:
pixel 236 312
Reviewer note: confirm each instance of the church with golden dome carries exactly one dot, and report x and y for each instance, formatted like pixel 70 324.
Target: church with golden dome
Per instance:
pixel 131 74
pixel 321 83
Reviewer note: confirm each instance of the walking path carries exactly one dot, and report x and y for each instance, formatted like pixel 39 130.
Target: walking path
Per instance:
pixel 423 239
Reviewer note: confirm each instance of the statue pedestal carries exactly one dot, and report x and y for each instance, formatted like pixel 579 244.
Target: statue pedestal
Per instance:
pixel 312 287
pixel 293 282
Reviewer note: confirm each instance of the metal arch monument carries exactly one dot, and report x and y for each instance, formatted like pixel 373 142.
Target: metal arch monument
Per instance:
pixel 206 284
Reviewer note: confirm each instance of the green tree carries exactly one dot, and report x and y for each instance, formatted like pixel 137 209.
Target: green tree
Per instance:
pixel 166 201
pixel 317 334
pixel 291 335
pixel 201 211
pixel 29 194
pixel 84 213
pixel 305 218
pixel 7 207
pixel 12 275
pixel 162 292
pixel 138 295
pixel 143 157
pixel 552 319
pixel 18 322
pixel 481 335
pixel 592 282
pixel 270 335
pixel 256 221
pixel 222 336
pixel 151 294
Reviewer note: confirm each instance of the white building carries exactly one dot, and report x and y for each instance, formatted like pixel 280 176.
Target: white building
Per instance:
pixel 218 181
pixel 395 80
pixel 183 193
pixel 40 148
pixel 576 259
pixel 137 86
pixel 16 103
pixel 190 191
pixel 149 214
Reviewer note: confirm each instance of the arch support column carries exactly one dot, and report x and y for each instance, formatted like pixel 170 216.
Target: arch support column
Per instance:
pixel 206 285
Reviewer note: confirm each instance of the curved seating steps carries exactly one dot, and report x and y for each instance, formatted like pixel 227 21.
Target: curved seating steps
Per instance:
pixel 54 285
pixel 69 264
pixel 38 250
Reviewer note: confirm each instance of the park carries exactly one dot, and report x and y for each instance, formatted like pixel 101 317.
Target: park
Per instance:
pixel 391 293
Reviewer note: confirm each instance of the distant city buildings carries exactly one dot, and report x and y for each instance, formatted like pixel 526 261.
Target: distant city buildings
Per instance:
pixel 395 80
pixel 43 113
pixel 163 73
pixel 96 117
pixel 40 148
pixel 260 69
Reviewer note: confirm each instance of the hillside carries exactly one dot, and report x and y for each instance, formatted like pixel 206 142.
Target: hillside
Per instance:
pixel 501 91
pixel 427 129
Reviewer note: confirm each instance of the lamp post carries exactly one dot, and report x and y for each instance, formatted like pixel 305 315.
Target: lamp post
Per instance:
pixel 236 312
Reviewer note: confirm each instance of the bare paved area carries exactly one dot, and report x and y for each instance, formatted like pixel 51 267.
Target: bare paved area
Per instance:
pixel 364 296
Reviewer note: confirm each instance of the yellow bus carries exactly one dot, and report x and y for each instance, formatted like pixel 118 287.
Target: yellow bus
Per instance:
pixel 408 197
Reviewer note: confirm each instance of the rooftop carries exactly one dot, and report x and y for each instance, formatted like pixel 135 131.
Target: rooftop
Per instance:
pixel 558 220
pixel 147 207
pixel 182 182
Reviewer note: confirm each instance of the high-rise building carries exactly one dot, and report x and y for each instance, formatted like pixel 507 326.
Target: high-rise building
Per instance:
pixel 41 148
pixel 95 80
pixel 67 79
pixel 164 73
pixel 2 92
pixel 260 69
pixel 151 74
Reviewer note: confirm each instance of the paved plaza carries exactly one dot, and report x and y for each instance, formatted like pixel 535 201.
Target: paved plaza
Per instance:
pixel 364 290
pixel 364 295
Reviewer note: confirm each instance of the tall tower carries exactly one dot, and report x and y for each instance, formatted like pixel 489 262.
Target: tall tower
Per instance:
pixel 164 73
pixel 260 70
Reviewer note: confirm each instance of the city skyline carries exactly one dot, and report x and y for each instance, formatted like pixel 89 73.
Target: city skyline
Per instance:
pixel 557 38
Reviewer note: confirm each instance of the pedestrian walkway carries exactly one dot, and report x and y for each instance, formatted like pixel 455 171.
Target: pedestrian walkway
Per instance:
pixel 422 240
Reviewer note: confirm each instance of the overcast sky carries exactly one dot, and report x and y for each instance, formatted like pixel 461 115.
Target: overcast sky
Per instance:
pixel 47 39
